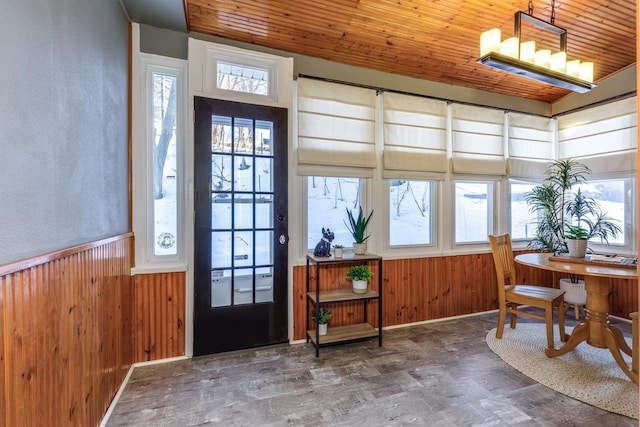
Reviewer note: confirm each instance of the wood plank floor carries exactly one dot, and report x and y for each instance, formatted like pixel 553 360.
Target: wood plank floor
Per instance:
pixel 437 374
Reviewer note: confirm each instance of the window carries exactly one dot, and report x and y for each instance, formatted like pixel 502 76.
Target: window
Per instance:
pixel 165 209
pixel 410 212
pixel 610 196
pixel 523 222
pixel 473 211
pixel 327 201
pixel 158 173
pixel 241 78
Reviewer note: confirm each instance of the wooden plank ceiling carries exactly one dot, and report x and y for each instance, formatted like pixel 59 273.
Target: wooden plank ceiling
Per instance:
pixel 432 40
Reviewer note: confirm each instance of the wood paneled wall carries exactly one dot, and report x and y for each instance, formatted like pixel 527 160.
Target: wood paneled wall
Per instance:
pixel 419 289
pixel 65 339
pixel 159 315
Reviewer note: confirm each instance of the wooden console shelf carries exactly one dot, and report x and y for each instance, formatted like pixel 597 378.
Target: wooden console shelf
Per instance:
pixel 348 333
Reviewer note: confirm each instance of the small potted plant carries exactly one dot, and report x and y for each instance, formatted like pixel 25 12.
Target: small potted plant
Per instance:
pixel 360 276
pixel 322 316
pixel 338 251
pixel 357 227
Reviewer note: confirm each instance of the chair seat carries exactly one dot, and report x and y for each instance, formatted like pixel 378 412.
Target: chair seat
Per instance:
pixel 538 292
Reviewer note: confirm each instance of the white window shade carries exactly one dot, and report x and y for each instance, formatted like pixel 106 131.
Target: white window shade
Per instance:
pixel 530 145
pixel 336 129
pixel 604 137
pixel 478 140
pixel 414 137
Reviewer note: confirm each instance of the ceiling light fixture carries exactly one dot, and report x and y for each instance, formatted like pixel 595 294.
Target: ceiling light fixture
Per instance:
pixel 518 57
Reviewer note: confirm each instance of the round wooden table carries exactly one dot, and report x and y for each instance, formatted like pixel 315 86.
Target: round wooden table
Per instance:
pixel 596 329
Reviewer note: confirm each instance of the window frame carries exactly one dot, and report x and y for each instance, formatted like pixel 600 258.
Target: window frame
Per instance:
pixel 143 213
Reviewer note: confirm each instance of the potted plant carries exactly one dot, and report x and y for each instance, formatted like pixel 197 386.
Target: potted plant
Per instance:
pixel 563 214
pixel 360 276
pixel 357 227
pixel 338 251
pixel 322 316
pixel 567 219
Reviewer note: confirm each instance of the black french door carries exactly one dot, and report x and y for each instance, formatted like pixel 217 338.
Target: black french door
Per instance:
pixel 241 236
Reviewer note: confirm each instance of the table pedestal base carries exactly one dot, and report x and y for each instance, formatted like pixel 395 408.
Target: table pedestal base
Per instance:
pixel 596 330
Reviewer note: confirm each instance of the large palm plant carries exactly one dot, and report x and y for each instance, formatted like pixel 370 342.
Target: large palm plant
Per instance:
pixel 563 213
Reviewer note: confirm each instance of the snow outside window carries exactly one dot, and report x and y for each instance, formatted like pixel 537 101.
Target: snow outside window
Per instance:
pixel 523 222
pixel 410 212
pixel 473 211
pixel 328 199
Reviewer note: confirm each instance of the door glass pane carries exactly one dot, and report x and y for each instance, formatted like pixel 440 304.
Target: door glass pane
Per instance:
pixel 264 284
pixel 221 175
pixel 220 288
pixel 220 249
pixel 221 134
pixel 264 132
pixel 243 173
pixel 243 211
pixel 264 211
pixel 264 177
pixel 243 286
pixel 264 247
pixel 243 136
pixel 243 249
pixel 220 213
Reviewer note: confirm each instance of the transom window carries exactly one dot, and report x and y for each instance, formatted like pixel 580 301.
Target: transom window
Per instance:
pixel 241 78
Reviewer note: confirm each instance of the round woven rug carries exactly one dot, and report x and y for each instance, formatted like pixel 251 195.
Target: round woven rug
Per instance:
pixel 586 373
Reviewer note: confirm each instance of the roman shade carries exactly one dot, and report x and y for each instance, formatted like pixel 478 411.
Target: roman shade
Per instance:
pixel 478 140
pixel 336 129
pixel 414 137
pixel 603 137
pixel 530 145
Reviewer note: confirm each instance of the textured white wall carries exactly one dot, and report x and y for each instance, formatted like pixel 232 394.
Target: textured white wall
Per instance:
pixel 63 124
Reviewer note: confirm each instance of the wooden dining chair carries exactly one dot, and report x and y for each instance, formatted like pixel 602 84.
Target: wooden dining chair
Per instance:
pixel 512 295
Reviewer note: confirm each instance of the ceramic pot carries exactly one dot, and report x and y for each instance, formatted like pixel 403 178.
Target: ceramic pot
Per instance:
pixel 359 248
pixel 574 292
pixel 577 247
pixel 322 328
pixel 338 252
pixel 360 286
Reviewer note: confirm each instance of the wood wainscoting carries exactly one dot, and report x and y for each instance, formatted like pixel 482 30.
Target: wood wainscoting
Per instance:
pixel 159 307
pixel 65 340
pixel 419 289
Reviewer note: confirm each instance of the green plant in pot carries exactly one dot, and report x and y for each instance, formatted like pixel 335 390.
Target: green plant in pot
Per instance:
pixel 360 276
pixel 566 216
pixel 358 227
pixel 322 316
